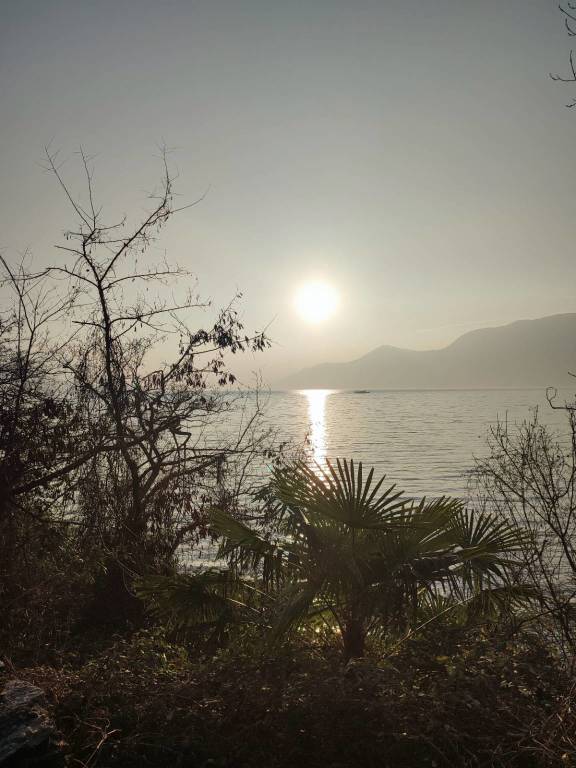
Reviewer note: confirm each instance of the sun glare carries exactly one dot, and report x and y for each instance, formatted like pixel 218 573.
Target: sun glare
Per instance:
pixel 316 302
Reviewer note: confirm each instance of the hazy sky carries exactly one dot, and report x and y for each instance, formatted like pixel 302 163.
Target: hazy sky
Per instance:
pixel 415 154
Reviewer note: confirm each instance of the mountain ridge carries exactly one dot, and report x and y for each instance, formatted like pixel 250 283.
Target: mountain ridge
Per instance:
pixel 524 353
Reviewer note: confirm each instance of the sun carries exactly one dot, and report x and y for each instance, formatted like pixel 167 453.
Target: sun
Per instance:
pixel 316 301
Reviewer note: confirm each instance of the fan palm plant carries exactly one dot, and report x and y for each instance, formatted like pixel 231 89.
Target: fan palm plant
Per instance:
pixel 365 559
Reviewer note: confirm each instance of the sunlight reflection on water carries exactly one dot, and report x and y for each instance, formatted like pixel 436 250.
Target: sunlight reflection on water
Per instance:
pixel 316 399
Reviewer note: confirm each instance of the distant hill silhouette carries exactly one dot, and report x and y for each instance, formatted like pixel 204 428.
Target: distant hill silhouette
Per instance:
pixel 526 353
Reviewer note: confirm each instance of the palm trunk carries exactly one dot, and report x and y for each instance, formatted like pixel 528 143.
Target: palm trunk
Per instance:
pixel 353 638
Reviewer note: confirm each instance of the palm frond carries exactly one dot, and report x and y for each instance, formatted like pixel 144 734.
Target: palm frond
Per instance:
pixel 488 547
pixel 298 606
pixel 339 493
pixel 202 599
pixel 505 599
pixel 247 550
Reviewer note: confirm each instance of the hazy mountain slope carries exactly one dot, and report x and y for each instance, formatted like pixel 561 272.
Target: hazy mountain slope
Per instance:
pixel 523 354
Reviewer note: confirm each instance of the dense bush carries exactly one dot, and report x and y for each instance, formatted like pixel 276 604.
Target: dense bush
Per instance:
pixel 455 698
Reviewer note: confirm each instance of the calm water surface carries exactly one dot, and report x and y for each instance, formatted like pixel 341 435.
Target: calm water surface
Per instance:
pixel 423 440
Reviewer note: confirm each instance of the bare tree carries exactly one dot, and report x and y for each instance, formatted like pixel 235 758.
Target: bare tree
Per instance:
pixel 39 425
pixel 146 385
pixel 529 477
pixel 569 12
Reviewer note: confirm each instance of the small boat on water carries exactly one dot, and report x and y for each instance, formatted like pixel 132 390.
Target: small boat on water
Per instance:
pixel 361 391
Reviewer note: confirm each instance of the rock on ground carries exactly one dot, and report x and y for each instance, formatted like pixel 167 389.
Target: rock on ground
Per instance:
pixel 25 725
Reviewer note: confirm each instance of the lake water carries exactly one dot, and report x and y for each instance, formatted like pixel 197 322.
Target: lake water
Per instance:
pixel 425 441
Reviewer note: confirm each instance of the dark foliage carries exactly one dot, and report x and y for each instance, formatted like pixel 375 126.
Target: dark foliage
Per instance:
pixel 452 699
